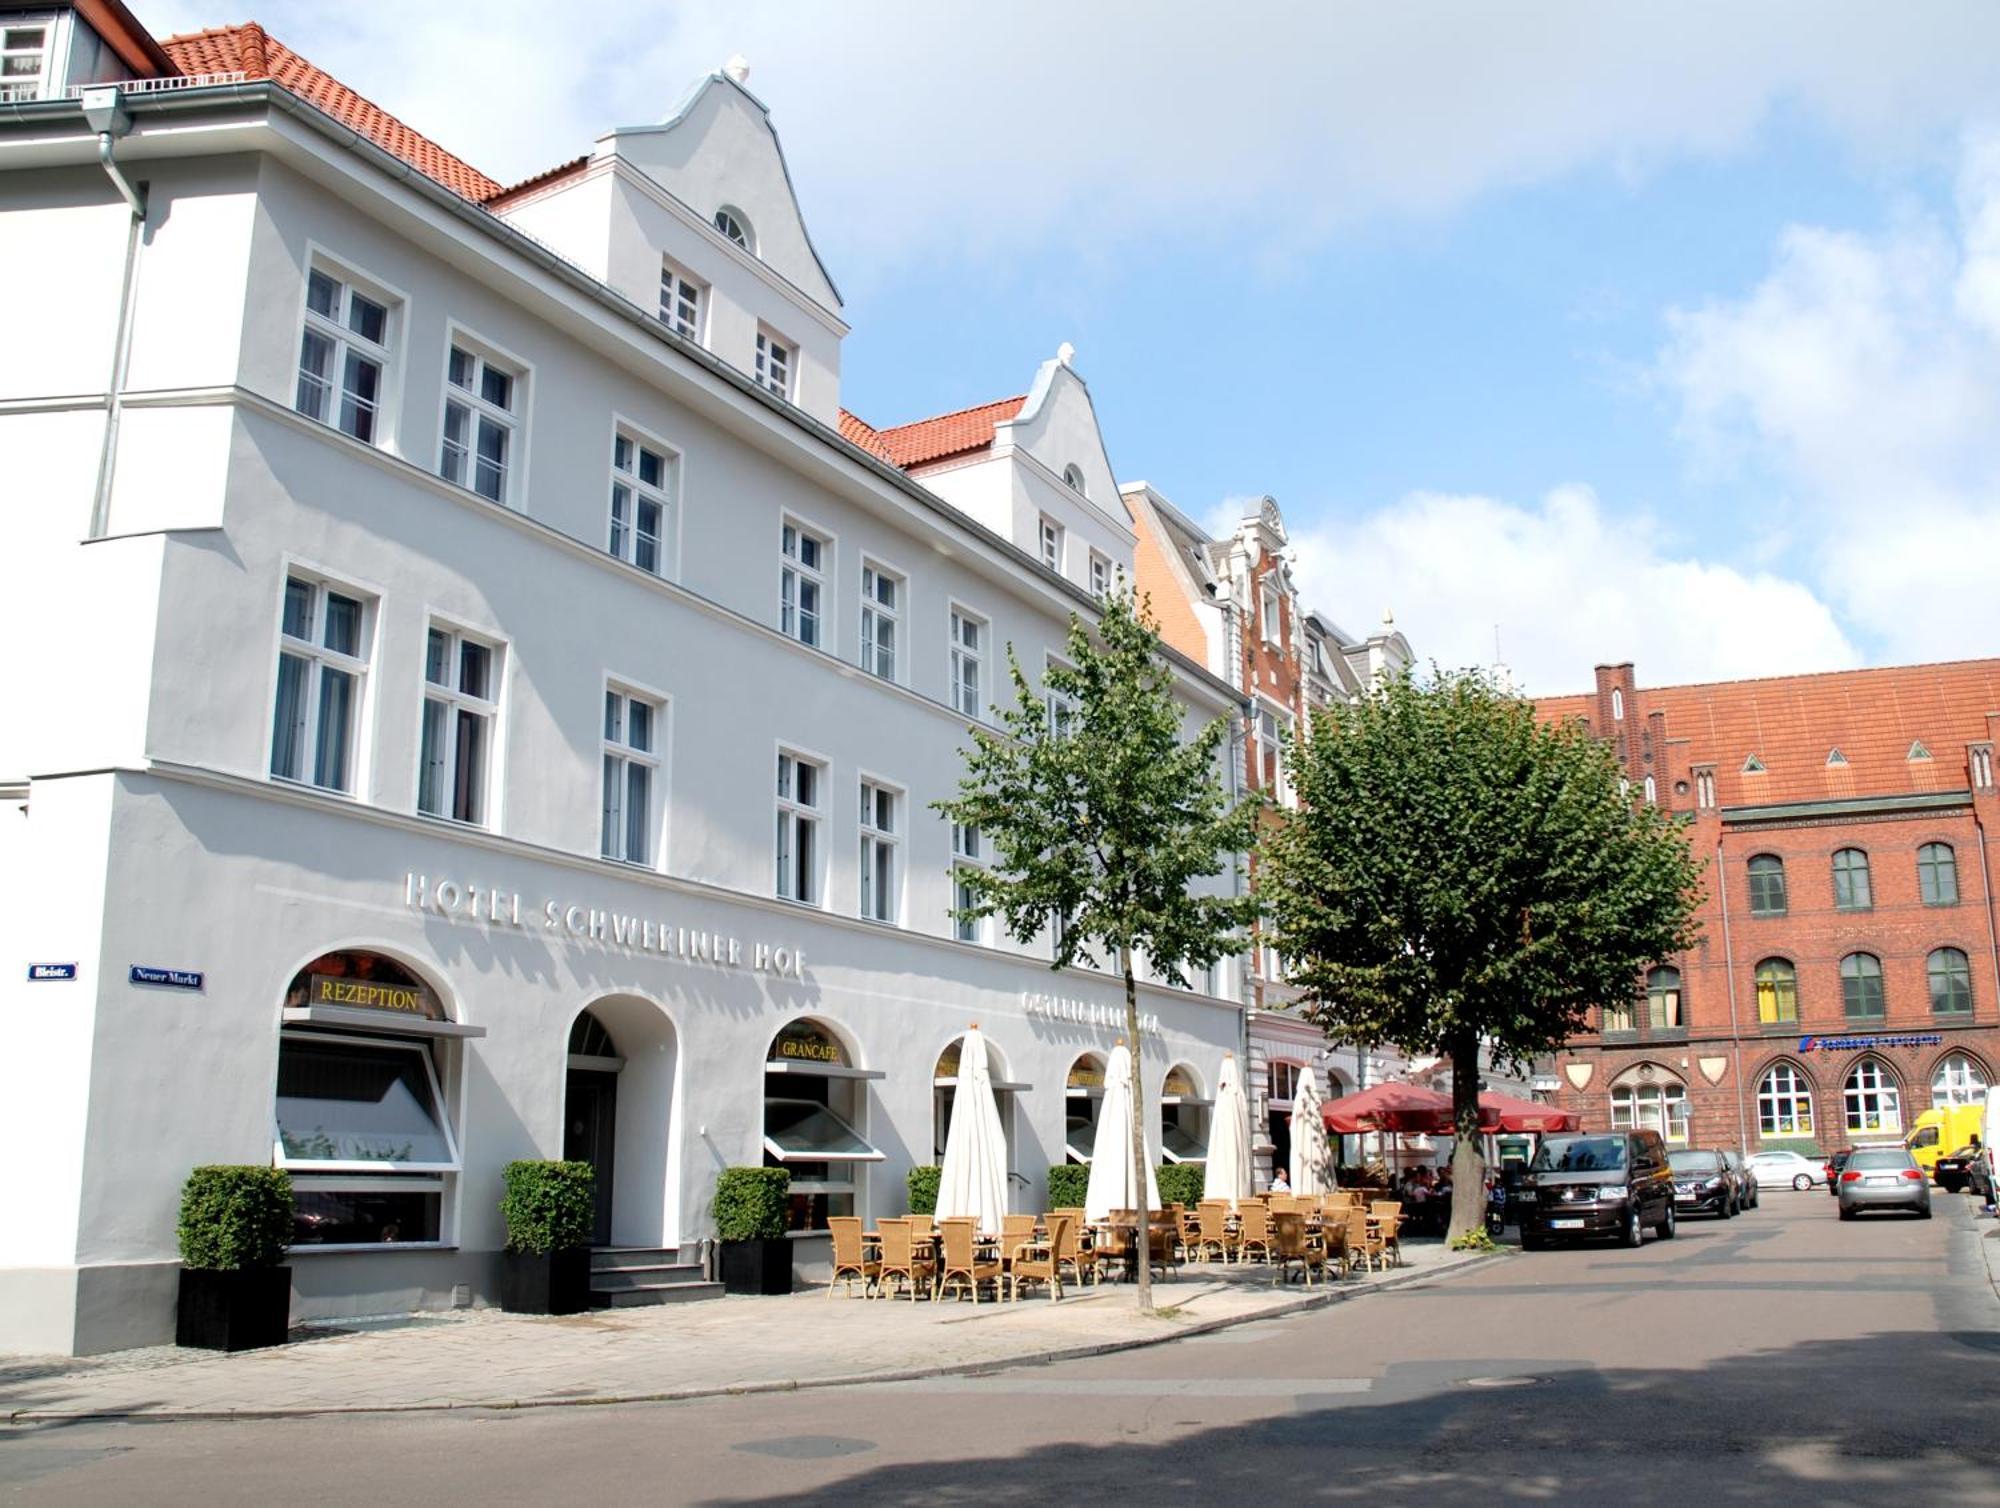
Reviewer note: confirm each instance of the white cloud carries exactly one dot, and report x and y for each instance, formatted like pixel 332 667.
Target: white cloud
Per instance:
pixel 923 128
pixel 1567 586
pixel 1863 375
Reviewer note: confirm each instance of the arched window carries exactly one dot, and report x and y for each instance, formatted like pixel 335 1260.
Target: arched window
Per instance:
pixel 735 225
pixel 1073 478
pixel 1083 1095
pixel 1617 705
pixel 1873 1103
pixel 1663 998
pixel 1951 982
pixel 1777 991
pixel 1183 1116
pixel 815 1099
pixel 1958 1081
pixel 1861 986
pixel 1937 874
pixel 1851 891
pixel 1284 1080
pixel 1767 885
pixel 1784 1102
pixel 1651 1107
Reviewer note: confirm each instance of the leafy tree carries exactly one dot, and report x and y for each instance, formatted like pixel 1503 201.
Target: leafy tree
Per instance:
pixel 1461 872
pixel 1100 818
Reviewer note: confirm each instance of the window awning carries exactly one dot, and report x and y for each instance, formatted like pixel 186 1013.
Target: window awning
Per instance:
pixel 1176 1145
pixel 823 1070
pixel 999 1086
pixel 348 1104
pixel 393 1023
pixel 1186 1099
pixel 802 1131
pixel 1079 1137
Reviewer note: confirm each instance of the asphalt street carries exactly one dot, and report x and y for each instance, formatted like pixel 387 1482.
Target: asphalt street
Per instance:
pixel 1779 1357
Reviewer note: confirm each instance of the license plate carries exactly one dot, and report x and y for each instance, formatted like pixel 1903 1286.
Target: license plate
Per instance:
pixel 1566 1225
pixel 1684 1199
pixel 1879 1183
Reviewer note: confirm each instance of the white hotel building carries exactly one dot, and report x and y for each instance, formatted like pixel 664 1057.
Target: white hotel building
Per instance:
pixel 489 694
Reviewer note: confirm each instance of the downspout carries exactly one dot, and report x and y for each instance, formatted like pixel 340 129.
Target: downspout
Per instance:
pixel 104 111
pixel 1986 890
pixel 1735 1031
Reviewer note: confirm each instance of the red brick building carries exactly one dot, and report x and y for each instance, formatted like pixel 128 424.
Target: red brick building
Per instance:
pixel 1848 975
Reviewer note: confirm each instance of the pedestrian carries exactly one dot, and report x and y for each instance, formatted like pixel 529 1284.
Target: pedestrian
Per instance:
pixel 1280 1184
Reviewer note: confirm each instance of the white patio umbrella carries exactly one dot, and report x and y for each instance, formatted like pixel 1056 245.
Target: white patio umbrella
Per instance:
pixel 1111 1153
pixel 1228 1138
pixel 973 1180
pixel 1309 1170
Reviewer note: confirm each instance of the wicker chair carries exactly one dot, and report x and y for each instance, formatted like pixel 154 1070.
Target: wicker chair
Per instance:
pixel 1070 1249
pixel 1212 1217
pixel 1163 1243
pixel 1362 1247
pixel 850 1256
pixel 1333 1242
pixel 1388 1217
pixel 1255 1233
pixel 1291 1243
pixel 1014 1230
pixel 1038 1262
pixel 962 1262
pixel 901 1257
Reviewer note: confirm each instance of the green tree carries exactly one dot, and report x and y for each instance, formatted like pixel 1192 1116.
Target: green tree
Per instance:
pixel 1460 872
pixel 1100 818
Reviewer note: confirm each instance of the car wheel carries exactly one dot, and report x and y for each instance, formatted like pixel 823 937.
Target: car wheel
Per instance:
pixel 1533 1241
pixel 1634 1233
pixel 1846 1213
pixel 1924 1212
pixel 1727 1209
pixel 1801 1181
pixel 1667 1224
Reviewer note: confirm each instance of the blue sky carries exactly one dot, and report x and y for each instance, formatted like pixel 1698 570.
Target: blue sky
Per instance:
pixel 1669 334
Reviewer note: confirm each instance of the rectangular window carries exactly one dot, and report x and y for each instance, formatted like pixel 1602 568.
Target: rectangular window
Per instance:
pixel 968 852
pixel 1618 1018
pixel 799 816
pixel 774 364
pixel 1052 543
pixel 343 355
pixel 1062 709
pixel 461 707
pixel 1271 620
pixel 881 607
pixel 631 774
pixel 801 584
pixel 322 662
pixel 968 640
pixel 681 301
pixel 645 480
pixel 23 56
pixel 1704 789
pixel 1100 575
pixel 879 839
pixel 481 405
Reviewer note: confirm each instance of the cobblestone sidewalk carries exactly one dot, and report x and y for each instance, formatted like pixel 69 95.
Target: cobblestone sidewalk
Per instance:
pixel 486 1359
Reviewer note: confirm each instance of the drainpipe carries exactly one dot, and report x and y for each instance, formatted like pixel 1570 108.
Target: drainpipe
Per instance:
pixel 105 113
pixel 1735 1031
pixel 1986 891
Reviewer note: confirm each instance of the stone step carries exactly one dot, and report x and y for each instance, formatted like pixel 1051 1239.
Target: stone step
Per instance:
pixel 658 1293
pixel 609 1258
pixel 659 1275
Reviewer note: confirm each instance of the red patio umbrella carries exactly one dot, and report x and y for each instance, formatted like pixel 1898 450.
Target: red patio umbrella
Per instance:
pixel 1503 1112
pixel 1390 1107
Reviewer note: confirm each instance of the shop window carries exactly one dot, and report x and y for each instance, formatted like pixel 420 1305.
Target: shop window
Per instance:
pixel 1767 885
pixel 1651 1107
pixel 1872 1099
pixel 1958 1081
pixel 1950 974
pixel 1777 991
pixel 1663 999
pixel 1083 1096
pixel 1784 1102
pixel 1851 888
pixel 814 1101
pixel 1937 874
pixel 360 1110
pixel 1183 1116
pixel 1861 986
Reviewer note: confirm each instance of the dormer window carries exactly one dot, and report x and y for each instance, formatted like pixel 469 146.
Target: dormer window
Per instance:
pixel 681 299
pixel 1073 479
pixel 774 364
pixel 735 226
pixel 24 52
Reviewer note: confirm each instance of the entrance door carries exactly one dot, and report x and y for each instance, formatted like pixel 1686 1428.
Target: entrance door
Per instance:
pixel 590 1128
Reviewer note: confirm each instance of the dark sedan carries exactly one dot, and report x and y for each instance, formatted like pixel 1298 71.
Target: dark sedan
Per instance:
pixel 1702 1185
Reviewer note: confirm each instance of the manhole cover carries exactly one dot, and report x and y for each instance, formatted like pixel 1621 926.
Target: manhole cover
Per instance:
pixel 1502 1382
pixel 807 1447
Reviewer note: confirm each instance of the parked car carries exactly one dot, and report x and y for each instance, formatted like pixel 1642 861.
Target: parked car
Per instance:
pixel 1776 1167
pixel 1702 1185
pixel 1596 1184
pixel 1876 1178
pixel 1953 1171
pixel 1745 1177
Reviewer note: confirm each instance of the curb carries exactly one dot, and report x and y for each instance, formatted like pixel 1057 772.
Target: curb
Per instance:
pixel 1305 1303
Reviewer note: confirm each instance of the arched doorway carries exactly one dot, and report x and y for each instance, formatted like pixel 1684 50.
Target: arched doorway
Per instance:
pixel 944 1092
pixel 1183 1116
pixel 618 1116
pixel 1284 1088
pixel 1083 1095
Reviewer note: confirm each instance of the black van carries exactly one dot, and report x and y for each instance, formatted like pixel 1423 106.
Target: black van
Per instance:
pixel 1605 1183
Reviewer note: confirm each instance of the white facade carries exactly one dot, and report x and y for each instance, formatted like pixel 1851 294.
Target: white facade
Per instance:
pixel 187 547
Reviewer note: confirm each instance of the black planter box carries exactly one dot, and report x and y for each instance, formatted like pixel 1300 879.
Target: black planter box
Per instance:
pixel 557 1282
pixel 234 1311
pixel 757 1266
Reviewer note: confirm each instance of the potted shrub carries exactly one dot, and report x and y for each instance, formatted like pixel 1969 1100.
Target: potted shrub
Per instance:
pixel 750 1219
pixel 1182 1183
pixel 236 1292
pixel 924 1189
pixel 549 1210
pixel 1068 1183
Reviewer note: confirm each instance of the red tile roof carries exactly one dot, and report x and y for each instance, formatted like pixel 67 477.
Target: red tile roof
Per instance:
pixel 543 179
pixel 1793 723
pixel 249 50
pixel 858 431
pixel 948 436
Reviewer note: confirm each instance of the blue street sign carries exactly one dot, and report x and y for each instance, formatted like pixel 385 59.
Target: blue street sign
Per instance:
pixel 172 979
pixel 37 972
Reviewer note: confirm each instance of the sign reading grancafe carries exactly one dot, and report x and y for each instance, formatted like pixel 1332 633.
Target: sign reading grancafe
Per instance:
pixel 1038 1006
pixel 488 907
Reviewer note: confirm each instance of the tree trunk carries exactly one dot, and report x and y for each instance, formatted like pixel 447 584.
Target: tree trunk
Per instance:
pixel 1143 1237
pixel 1468 1163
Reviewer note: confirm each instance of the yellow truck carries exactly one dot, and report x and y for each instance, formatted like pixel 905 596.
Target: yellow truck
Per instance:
pixel 1941 1132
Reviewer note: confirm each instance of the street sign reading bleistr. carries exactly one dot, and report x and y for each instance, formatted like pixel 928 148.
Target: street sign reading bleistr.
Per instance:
pixel 41 972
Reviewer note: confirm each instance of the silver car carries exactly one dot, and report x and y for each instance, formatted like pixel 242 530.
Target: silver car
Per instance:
pixel 1883 1178
pixel 1779 1167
